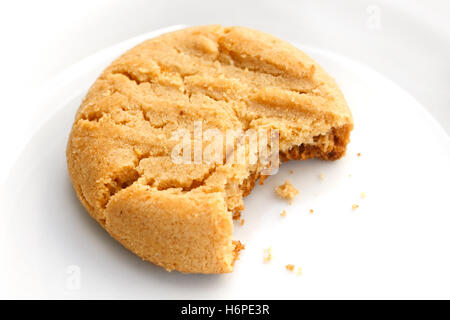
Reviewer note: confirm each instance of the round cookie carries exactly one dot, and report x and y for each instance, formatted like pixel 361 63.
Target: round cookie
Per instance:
pixel 120 151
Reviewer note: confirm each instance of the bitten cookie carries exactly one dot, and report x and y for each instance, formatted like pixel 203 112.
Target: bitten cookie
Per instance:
pixel 179 214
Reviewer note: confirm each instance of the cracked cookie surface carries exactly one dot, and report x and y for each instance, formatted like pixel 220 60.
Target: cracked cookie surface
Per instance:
pixel 179 216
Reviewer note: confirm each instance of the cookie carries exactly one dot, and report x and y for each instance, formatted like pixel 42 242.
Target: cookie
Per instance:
pixel 124 149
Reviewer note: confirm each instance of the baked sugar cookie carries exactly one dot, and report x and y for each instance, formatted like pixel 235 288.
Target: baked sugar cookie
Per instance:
pixel 172 203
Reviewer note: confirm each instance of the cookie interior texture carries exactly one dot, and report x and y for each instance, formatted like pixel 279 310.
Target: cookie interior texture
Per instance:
pixel 179 216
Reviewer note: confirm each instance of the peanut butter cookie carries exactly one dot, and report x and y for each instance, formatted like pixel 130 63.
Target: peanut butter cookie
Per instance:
pixel 177 212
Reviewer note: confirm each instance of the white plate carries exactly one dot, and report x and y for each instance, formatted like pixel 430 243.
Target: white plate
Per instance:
pixel 395 245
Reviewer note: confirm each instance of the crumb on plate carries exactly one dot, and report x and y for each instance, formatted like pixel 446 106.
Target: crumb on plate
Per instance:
pixel 268 255
pixel 238 246
pixel 355 206
pixel 290 267
pixel 242 222
pixel 261 179
pixel 283 213
pixel 287 191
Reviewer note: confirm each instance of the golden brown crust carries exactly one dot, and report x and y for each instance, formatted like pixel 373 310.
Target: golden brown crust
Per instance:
pixel 179 216
pixel 340 138
pixel 334 149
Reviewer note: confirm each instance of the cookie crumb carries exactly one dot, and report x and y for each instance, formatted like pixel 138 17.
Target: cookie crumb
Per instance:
pixel 355 206
pixel 322 176
pixel 242 222
pixel 363 195
pixel 267 255
pixel 291 171
pixel 283 213
pixel 261 180
pixel 287 191
pixel 238 247
pixel 290 267
pixel 311 211
pixel 359 154
pixel 236 215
